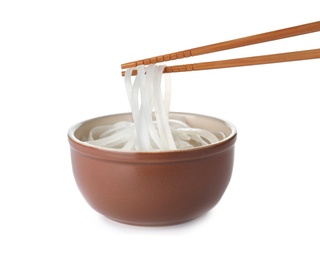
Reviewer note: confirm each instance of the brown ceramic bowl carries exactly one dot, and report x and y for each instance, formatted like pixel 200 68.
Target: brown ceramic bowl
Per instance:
pixel 153 188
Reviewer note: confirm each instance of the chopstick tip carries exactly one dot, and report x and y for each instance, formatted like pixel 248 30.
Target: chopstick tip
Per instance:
pixel 128 65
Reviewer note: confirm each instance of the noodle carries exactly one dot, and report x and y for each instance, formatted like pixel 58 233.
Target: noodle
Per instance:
pixel 151 129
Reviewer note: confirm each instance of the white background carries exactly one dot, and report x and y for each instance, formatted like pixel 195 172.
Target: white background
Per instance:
pixel 60 64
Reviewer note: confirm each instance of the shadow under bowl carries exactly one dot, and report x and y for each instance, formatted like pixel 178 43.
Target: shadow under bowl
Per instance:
pixel 153 188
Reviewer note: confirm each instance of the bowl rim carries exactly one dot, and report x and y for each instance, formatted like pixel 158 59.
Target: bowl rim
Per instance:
pixel 74 139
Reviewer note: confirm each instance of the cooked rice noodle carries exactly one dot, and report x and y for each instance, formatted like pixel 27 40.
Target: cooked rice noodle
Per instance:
pixel 151 129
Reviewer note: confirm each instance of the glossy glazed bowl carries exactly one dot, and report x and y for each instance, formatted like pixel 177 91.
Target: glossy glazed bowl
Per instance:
pixel 153 188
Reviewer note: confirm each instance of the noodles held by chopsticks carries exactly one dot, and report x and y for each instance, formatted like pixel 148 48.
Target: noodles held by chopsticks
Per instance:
pixel 151 129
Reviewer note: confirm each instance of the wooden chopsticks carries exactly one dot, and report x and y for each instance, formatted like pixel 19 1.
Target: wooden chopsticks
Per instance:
pixel 241 42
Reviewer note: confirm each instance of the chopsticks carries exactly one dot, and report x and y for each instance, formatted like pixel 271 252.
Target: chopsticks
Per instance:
pixel 236 43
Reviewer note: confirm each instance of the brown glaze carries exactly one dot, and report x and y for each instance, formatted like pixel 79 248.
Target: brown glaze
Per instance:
pixel 153 188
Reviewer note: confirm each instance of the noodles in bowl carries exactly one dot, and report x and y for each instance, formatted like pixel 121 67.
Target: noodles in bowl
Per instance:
pixel 151 167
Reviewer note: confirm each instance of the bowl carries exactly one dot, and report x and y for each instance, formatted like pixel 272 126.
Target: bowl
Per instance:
pixel 153 188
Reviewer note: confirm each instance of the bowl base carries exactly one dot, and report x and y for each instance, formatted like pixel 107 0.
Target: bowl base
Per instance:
pixel 155 224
